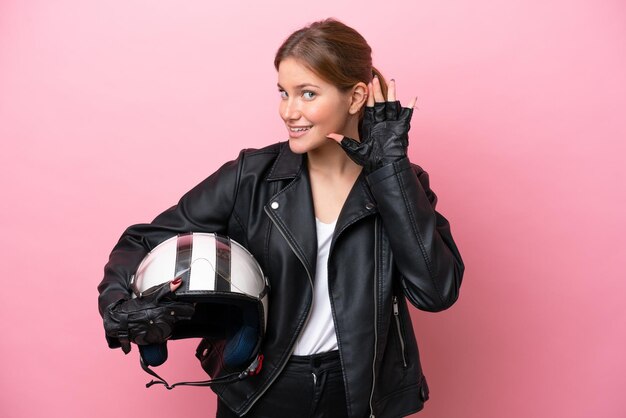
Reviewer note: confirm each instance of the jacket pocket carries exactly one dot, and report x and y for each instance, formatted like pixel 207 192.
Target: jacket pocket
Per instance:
pixel 399 330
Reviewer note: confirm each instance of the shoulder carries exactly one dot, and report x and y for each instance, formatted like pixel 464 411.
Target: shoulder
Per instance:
pixel 255 159
pixel 271 162
pixel 253 165
pixel 267 152
pixel 252 159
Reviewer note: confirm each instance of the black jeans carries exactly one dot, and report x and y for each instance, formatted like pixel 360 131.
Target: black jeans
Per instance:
pixel 309 386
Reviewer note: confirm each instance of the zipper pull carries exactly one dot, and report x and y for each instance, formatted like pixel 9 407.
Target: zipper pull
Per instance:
pixel 395 306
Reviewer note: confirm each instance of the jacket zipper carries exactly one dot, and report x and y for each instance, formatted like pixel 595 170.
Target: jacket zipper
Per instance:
pixel 396 314
pixel 305 322
pixel 375 317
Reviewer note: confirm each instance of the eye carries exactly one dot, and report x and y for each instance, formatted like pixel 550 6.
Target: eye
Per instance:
pixel 308 94
pixel 283 93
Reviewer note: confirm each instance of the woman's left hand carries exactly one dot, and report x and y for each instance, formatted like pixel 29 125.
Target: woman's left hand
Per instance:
pixel 384 130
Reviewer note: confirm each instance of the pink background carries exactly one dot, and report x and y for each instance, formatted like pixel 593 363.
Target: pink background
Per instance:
pixel 110 111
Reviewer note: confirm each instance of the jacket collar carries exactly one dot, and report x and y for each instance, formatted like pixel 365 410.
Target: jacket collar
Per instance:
pixel 359 204
pixel 289 165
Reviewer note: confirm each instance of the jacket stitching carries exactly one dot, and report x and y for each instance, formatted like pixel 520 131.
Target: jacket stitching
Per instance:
pixel 398 392
pixel 287 232
pixel 237 182
pixel 292 240
pixel 419 238
pixel 241 225
pixel 279 155
pixel 268 234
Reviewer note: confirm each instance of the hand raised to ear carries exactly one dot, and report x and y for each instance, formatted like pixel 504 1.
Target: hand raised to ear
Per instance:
pixel 384 130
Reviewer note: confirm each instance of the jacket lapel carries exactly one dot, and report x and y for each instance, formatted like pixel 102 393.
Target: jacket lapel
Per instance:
pixel 359 204
pixel 291 208
pixel 292 211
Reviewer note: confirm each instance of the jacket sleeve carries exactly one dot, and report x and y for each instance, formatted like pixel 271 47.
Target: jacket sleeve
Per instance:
pixel 420 238
pixel 205 208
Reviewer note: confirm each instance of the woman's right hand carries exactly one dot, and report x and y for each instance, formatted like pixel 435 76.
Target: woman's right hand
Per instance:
pixel 148 319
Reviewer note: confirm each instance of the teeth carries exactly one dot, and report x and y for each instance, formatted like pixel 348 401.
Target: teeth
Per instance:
pixel 299 129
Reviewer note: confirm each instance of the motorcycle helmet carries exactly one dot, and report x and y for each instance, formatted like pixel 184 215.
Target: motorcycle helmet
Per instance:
pixel 229 292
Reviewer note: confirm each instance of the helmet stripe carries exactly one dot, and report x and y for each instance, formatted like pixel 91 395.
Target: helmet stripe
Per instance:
pixel 184 245
pixel 222 270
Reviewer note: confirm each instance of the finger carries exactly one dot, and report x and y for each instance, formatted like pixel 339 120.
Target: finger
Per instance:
pixel 405 115
pixel 391 91
pixel 350 143
pixel 336 137
pixel 370 95
pixel 357 151
pixel 391 110
pixel 378 92
pixel 379 113
pixel 175 284
pixel 411 104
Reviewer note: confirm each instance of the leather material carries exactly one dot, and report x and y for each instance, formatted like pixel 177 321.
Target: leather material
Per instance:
pixel 148 319
pixel 389 241
pixel 384 136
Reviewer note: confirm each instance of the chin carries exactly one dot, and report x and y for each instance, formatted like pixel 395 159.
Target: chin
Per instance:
pixel 297 147
pixel 302 146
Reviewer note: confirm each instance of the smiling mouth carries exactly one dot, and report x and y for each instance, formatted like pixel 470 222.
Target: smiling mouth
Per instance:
pixel 300 129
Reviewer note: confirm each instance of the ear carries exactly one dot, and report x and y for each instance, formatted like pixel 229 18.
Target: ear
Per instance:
pixel 358 97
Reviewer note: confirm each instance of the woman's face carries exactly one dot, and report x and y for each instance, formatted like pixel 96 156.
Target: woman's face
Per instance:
pixel 310 107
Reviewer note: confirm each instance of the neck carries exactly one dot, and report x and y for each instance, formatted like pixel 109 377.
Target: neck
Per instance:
pixel 331 161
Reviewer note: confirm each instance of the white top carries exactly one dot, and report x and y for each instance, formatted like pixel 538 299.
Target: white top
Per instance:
pixel 318 335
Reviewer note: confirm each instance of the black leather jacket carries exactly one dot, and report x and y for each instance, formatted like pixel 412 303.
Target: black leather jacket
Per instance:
pixel 389 242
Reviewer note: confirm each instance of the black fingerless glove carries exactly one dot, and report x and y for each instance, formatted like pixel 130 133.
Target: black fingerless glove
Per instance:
pixel 148 319
pixel 384 136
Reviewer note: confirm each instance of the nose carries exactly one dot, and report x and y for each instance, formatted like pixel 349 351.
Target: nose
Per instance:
pixel 289 110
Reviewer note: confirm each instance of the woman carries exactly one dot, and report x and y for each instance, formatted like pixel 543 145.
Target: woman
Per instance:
pixel 344 227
